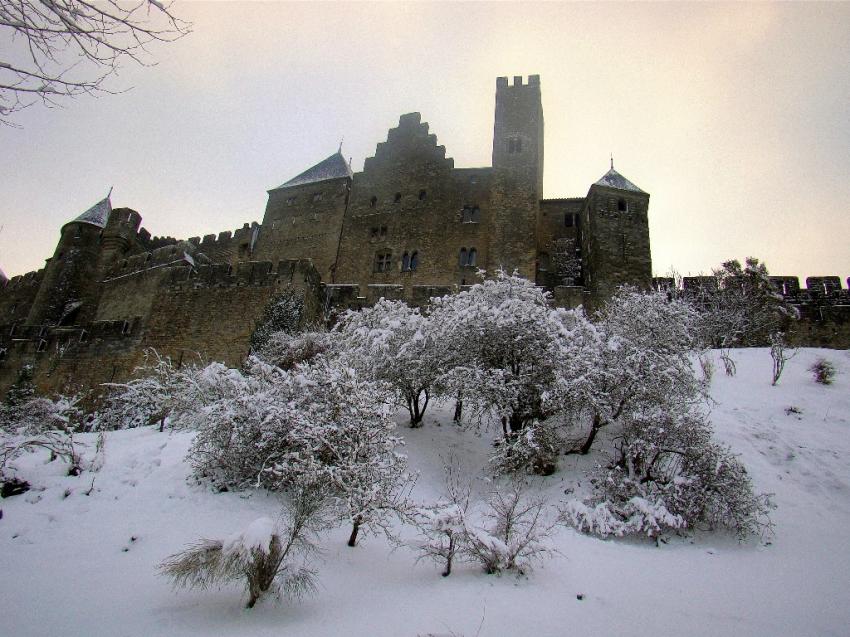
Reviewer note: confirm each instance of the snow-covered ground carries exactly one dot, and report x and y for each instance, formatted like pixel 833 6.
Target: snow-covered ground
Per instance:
pixel 77 559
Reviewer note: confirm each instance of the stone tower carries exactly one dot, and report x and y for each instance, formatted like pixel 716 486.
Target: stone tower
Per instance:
pixel 517 174
pixel 71 274
pixel 615 237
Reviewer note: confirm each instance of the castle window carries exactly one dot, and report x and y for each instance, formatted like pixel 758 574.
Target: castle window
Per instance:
pixel 473 179
pixel 422 195
pixel 2 353
pixel 383 261
pixel 414 261
pixel 317 196
pixel 397 197
pixel 514 145
pixel 125 328
pixel 383 231
pixel 622 206
pixel 405 262
pixel 568 220
pixel 468 258
pixel 471 214
pixel 373 201
pixel 290 200
pixel 84 336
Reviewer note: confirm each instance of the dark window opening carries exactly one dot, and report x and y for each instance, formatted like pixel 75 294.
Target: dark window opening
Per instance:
pixel 622 206
pixel 317 196
pixel 84 336
pixel 468 257
pixel 291 200
pixel 405 262
pixel 514 145
pixel 397 197
pixel 422 195
pixel 2 353
pixel 568 220
pixel 383 261
pixel 125 328
pixel 471 214
pixel 373 201
pixel 414 260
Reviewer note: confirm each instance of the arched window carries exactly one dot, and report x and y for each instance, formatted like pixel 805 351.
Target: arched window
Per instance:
pixel 462 257
pixel 405 262
pixel 422 195
pixel 414 260
pixel 473 255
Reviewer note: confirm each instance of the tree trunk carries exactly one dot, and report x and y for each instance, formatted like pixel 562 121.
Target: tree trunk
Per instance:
pixel 458 410
pixel 448 570
pixel 594 429
pixel 352 539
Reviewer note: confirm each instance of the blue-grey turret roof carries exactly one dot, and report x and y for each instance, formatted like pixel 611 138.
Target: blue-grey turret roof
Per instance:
pixel 613 179
pixel 3 278
pixel 97 215
pixel 334 167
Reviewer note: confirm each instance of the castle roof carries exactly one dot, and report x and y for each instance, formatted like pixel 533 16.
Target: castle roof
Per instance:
pixel 613 179
pixel 97 215
pixel 3 278
pixel 334 167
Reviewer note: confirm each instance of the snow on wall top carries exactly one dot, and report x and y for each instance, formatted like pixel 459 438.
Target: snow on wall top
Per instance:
pixel 613 179
pixel 97 215
pixel 333 167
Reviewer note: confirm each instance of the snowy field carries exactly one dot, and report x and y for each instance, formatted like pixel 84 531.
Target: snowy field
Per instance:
pixel 78 555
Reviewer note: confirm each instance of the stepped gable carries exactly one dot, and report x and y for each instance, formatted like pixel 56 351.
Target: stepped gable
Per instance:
pixel 334 167
pixel 97 215
pixel 613 179
pixel 411 144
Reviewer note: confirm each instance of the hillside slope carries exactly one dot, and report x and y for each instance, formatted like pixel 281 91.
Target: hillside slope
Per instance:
pixel 78 555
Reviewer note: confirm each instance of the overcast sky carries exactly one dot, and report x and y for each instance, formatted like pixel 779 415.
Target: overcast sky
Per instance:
pixel 735 118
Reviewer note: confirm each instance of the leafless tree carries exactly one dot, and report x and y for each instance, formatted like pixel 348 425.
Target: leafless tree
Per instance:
pixel 57 49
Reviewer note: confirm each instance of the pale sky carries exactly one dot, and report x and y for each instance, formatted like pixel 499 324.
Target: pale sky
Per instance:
pixel 734 117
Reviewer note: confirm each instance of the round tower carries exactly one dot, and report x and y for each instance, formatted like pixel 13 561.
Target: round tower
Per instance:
pixel 68 290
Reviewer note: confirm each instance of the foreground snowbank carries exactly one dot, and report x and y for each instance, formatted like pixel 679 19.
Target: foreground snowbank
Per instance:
pixel 77 564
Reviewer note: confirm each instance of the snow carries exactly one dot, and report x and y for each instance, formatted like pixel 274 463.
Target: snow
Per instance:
pixel 257 535
pixel 78 564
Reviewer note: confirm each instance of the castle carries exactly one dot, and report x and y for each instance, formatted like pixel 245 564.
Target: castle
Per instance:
pixel 409 226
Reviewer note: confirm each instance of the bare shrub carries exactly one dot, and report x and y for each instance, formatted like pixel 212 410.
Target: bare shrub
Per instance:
pixel 823 371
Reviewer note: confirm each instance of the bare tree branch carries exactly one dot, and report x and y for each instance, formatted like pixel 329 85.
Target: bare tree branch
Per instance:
pixel 58 49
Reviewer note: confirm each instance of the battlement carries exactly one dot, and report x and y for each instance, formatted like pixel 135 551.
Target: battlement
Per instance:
pixel 173 254
pixel 227 245
pixel 819 290
pixel 30 279
pixel 502 82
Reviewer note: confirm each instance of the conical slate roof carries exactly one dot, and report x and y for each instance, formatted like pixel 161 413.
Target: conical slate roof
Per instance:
pixel 97 215
pixel 333 167
pixel 3 278
pixel 613 179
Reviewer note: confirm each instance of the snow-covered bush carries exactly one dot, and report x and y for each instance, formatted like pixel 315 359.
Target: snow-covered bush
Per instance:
pixel 288 350
pixel 533 449
pixel 283 314
pixel 395 344
pixel 668 475
pixel 503 336
pixel 641 360
pixel 40 423
pixel 514 535
pixel 269 557
pixel 146 399
pixel 316 427
pixel 823 371
pixel 739 306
